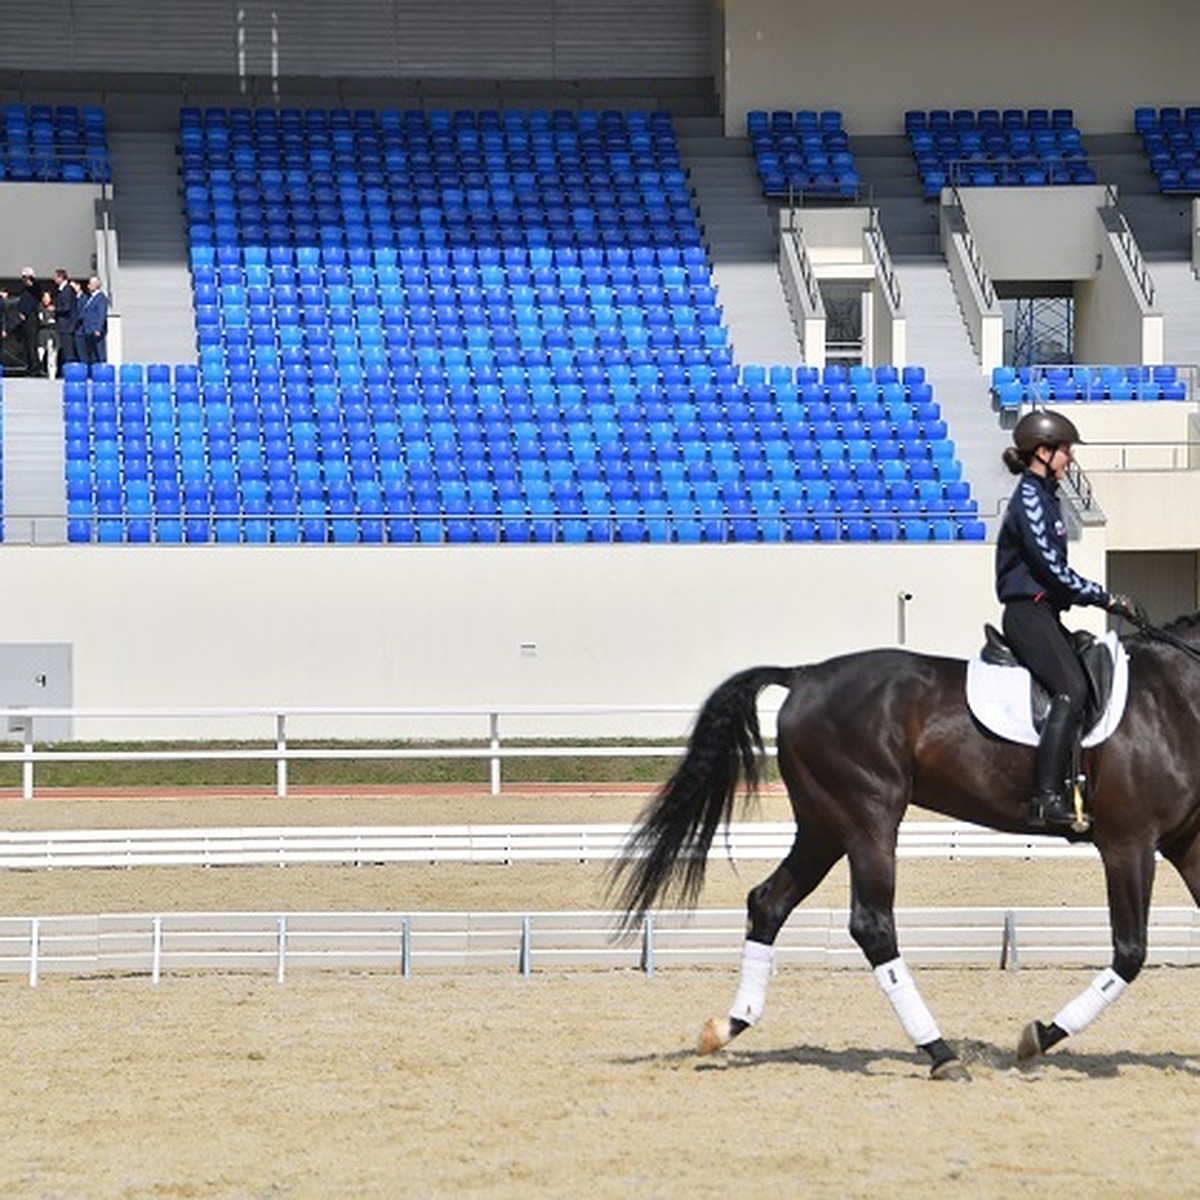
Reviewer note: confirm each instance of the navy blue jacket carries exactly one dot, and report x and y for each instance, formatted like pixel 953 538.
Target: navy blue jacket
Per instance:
pixel 1031 551
pixel 64 308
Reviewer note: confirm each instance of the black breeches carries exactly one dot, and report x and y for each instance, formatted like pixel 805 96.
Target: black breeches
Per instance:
pixel 1034 632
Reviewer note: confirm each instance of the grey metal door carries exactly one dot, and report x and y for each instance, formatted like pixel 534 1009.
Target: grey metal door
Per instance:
pixel 37 675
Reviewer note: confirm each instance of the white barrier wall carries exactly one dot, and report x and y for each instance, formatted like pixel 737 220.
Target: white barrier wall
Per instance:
pixel 362 626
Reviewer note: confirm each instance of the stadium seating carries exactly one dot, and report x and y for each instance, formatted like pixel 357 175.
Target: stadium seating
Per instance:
pixel 802 154
pixel 48 144
pixel 461 326
pixel 1171 139
pixel 1013 387
pixel 994 148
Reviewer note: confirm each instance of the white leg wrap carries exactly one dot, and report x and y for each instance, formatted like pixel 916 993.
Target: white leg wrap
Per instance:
pixel 758 962
pixel 1077 1015
pixel 898 986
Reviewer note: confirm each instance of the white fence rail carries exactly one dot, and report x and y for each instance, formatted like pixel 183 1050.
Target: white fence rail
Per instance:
pixel 154 944
pixel 24 723
pixel 355 845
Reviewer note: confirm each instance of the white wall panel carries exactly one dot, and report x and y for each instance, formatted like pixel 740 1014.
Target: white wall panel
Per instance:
pixel 446 625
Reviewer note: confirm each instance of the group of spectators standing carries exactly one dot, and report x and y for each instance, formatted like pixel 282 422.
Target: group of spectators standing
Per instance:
pixel 64 322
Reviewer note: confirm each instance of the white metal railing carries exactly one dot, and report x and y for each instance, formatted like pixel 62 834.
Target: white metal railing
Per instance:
pixel 154 943
pixel 883 261
pixel 971 251
pixel 370 845
pixel 1040 382
pixel 22 722
pixel 1116 223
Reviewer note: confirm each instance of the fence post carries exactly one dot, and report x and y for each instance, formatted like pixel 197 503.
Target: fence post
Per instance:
pixel 281 947
pixel 526 948
pixel 156 950
pixel 281 762
pixel 648 944
pixel 35 939
pixel 494 743
pixel 406 947
pixel 27 758
pixel 1009 959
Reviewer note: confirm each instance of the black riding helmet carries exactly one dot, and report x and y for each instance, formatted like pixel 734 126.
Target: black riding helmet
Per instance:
pixel 1044 427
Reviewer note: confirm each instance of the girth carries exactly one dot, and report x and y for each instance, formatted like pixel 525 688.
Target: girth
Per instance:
pixel 1093 657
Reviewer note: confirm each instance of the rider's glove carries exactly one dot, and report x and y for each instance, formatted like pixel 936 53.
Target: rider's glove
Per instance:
pixel 1127 607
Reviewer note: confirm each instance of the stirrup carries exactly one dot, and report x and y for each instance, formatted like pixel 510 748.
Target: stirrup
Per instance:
pixel 1055 809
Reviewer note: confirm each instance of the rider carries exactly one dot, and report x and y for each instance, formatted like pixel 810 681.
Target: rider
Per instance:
pixel 1035 584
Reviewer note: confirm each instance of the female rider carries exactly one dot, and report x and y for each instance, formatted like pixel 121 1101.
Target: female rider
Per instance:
pixel 1035 584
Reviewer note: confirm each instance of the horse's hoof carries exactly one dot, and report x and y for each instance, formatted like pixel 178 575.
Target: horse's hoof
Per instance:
pixel 715 1034
pixel 952 1070
pixel 1029 1045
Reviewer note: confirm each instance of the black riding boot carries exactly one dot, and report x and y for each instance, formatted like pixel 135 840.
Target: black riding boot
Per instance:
pixel 1051 800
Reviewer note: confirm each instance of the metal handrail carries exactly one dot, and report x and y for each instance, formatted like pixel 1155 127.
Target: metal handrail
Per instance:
pixel 1129 247
pixel 807 274
pixel 974 258
pixel 883 260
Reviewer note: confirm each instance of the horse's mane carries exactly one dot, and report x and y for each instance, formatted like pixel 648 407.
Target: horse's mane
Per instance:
pixel 1182 626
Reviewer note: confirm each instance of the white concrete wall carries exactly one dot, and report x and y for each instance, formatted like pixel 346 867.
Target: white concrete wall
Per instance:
pixel 1100 57
pixel 48 225
pixel 1051 233
pixel 347 626
pixel 1113 323
pixel 1136 456
pixel 1170 522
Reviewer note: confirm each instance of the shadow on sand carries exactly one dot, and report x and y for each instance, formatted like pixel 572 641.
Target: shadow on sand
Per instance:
pixel 976 1055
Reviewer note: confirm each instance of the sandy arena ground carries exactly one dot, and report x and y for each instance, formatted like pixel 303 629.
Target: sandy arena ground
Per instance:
pixel 465 1083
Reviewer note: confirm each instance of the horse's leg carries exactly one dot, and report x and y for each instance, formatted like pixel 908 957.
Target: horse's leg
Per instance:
pixel 1129 876
pixel 873 927
pixel 768 906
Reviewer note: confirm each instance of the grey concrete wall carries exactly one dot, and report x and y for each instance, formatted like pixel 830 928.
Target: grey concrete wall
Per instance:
pixel 1050 233
pixel 48 225
pixel 1100 57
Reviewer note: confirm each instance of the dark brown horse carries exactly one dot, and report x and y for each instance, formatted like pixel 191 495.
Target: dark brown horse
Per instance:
pixel 863 736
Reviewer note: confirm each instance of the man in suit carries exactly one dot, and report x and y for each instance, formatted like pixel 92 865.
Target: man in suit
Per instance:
pixel 65 317
pixel 93 323
pixel 27 319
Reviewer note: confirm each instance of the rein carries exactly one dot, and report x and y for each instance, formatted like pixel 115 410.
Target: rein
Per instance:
pixel 1156 634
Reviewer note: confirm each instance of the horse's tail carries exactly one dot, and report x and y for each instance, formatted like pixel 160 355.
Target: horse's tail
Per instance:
pixel 667 852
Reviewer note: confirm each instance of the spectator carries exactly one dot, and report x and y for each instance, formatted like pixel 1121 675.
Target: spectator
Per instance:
pixel 6 323
pixel 28 304
pixel 47 337
pixel 66 303
pixel 93 323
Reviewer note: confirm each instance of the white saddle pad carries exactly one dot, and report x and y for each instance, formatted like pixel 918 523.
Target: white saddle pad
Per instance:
pixel 999 698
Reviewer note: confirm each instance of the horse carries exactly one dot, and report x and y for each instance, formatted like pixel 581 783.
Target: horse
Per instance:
pixel 862 736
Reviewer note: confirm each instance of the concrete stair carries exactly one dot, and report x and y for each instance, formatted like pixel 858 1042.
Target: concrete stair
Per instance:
pixel 1177 295
pixel 1160 224
pixel 153 293
pixel 891 183
pixel 741 232
pixel 34 495
pixel 938 341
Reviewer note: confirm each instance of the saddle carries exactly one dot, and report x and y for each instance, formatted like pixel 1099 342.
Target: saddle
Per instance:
pixel 1006 700
pixel 1095 657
